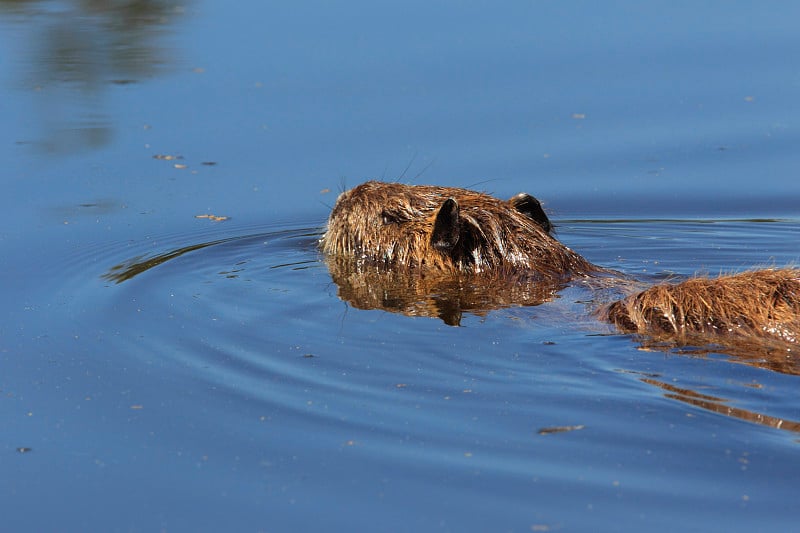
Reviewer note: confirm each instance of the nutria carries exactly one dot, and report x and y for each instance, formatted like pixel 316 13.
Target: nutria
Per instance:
pixel 428 237
pixel 445 229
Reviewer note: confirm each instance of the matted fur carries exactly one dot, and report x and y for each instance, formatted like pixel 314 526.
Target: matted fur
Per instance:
pixel 392 224
pixel 764 303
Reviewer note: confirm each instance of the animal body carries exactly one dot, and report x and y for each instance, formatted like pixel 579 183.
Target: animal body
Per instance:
pixel 428 236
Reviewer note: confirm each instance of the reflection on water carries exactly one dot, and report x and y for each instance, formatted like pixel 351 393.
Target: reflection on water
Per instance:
pixel 770 354
pixel 719 405
pixel 78 50
pixel 443 296
pixel 139 264
pixel 447 297
pixel 254 336
pixel 134 266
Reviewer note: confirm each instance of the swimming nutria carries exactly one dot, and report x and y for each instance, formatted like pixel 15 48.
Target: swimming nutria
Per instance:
pixel 426 234
pixel 447 229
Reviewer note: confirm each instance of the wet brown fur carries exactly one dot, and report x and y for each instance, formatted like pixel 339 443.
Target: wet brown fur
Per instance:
pixel 394 225
pixel 759 303
pixel 427 232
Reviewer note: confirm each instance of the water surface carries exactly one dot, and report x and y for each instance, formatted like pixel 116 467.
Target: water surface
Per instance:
pixel 162 371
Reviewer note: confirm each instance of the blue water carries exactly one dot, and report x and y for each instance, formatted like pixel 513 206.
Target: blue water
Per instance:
pixel 164 372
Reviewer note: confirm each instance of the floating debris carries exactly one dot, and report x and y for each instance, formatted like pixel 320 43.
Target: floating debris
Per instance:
pixel 215 218
pixel 560 429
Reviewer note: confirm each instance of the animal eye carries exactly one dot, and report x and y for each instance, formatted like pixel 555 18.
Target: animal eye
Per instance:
pixel 389 217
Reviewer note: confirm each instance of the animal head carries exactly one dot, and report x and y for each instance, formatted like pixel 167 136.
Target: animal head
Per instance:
pixel 446 229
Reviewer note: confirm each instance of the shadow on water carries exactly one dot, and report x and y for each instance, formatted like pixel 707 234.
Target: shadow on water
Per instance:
pixel 84 48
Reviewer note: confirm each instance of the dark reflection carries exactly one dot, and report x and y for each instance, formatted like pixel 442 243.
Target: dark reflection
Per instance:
pixel 769 354
pixel 139 264
pixel 142 263
pixel 78 50
pixel 447 297
pixel 720 405
pixel 442 296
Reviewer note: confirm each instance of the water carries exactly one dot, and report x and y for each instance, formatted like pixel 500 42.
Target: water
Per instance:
pixel 161 371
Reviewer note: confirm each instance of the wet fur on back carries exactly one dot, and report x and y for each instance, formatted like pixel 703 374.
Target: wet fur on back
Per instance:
pixel 761 303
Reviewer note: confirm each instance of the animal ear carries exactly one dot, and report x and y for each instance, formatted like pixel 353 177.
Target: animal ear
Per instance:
pixel 531 208
pixel 447 226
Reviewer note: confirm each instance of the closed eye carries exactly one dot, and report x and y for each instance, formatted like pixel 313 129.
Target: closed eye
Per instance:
pixel 392 217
